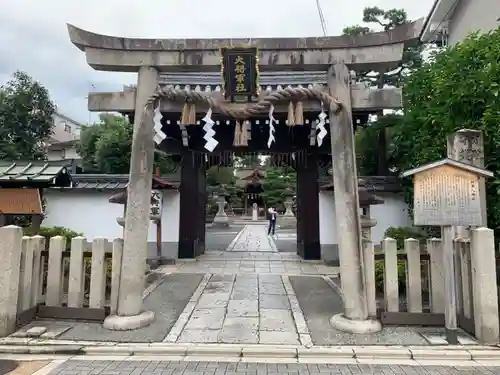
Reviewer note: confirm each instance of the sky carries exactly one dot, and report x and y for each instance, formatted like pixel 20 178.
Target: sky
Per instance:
pixel 34 38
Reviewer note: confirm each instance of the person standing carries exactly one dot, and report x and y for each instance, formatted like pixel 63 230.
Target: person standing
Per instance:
pixel 273 215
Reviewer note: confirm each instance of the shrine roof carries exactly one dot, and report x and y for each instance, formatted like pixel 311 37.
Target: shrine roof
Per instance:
pixel 28 173
pixel 269 80
pixel 452 163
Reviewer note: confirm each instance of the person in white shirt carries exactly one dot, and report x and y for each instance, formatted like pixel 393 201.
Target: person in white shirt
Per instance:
pixel 273 215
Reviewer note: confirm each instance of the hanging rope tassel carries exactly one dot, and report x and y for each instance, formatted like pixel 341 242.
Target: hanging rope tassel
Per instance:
pixel 244 134
pixel 185 114
pixel 299 113
pixel 291 114
pixel 191 114
pixel 237 134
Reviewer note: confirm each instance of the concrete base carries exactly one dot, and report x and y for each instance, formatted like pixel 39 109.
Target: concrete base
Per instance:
pixel 288 222
pixel 343 324
pixel 128 323
pixel 220 221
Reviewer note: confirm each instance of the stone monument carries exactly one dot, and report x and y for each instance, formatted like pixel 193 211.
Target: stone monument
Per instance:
pixel 255 212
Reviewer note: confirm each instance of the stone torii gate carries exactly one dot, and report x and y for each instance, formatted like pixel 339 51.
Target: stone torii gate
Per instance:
pixel 330 57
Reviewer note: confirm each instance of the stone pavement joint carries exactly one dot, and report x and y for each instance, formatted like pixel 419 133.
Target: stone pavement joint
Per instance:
pixel 247 309
pixel 253 238
pixel 148 366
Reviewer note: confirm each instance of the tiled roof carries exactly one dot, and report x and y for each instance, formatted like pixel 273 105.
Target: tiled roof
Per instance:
pixel 211 81
pixel 391 184
pixel 117 181
pixel 29 172
pixel 20 201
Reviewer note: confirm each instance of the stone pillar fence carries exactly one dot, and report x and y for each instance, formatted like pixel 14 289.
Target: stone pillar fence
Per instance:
pixel 404 286
pixel 56 279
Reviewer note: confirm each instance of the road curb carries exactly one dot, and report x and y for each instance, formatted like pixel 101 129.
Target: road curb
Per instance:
pixel 232 351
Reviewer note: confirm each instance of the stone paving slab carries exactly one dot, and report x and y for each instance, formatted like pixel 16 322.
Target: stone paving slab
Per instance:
pixel 236 309
pixel 168 301
pixel 253 238
pixel 159 367
pixel 233 262
pixel 319 302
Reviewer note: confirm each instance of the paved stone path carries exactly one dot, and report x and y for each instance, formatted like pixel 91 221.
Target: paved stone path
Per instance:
pixel 249 309
pixel 253 238
pixel 146 367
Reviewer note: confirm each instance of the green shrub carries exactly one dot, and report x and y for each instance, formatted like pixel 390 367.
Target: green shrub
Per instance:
pixel 379 275
pixel 402 233
pixel 49 232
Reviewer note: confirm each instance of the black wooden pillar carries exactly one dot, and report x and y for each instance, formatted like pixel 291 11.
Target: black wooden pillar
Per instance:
pixel 192 206
pixel 308 246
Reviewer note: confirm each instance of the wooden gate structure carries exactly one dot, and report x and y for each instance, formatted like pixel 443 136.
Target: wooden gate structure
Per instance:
pixel 297 98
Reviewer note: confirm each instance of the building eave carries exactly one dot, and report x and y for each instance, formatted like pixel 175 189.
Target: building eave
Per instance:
pixel 441 12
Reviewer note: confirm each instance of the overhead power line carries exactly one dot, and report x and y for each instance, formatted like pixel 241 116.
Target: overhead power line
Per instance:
pixel 321 18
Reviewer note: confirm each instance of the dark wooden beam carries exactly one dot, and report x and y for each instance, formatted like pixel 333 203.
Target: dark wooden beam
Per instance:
pixel 308 209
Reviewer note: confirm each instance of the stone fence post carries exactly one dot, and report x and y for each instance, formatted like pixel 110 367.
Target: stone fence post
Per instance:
pixel 484 285
pixel 10 253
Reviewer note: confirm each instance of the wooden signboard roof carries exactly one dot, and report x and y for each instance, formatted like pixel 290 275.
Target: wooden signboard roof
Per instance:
pixel 20 201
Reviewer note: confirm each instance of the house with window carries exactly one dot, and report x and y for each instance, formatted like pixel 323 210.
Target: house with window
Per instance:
pixel 62 143
pixel 65 128
pixel 450 21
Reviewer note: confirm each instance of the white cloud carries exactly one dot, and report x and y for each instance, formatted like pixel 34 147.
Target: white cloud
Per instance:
pixel 33 34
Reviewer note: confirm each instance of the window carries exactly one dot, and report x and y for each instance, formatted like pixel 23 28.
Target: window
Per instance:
pixel 67 128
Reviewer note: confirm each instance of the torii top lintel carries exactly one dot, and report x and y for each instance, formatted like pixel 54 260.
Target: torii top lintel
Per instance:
pixel 380 51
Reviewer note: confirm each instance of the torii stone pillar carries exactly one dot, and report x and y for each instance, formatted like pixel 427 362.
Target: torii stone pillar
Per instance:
pixel 130 314
pixel 347 211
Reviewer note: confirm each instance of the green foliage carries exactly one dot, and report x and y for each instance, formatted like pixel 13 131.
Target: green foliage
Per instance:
pixel 380 271
pixel 25 118
pixel 458 89
pixel 356 30
pixel 366 141
pixel 402 233
pixel 277 183
pixel 49 232
pixel 105 147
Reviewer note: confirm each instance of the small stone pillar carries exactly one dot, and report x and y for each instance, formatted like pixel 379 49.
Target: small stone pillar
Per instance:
pixel 484 285
pixel 130 313
pixel 255 212
pixel 221 219
pixel 10 250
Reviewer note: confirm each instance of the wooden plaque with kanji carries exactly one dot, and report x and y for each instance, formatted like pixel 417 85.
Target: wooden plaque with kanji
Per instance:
pixel 446 195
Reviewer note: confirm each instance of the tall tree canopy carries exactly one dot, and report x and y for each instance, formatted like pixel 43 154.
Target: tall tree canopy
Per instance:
pixel 388 20
pixel 459 88
pixel 105 147
pixel 26 118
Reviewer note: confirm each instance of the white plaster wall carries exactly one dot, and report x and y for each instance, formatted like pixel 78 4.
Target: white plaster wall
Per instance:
pixel 327 222
pixel 472 15
pixel 393 213
pixel 90 212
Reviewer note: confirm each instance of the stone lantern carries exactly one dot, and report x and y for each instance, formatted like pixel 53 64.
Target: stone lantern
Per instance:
pixel 366 199
pixel 288 220
pixel 221 219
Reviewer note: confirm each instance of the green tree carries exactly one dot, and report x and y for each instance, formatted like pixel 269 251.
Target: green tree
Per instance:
pixel 277 183
pixel 459 88
pixel 367 153
pixel 388 20
pixel 26 118
pixel 105 147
